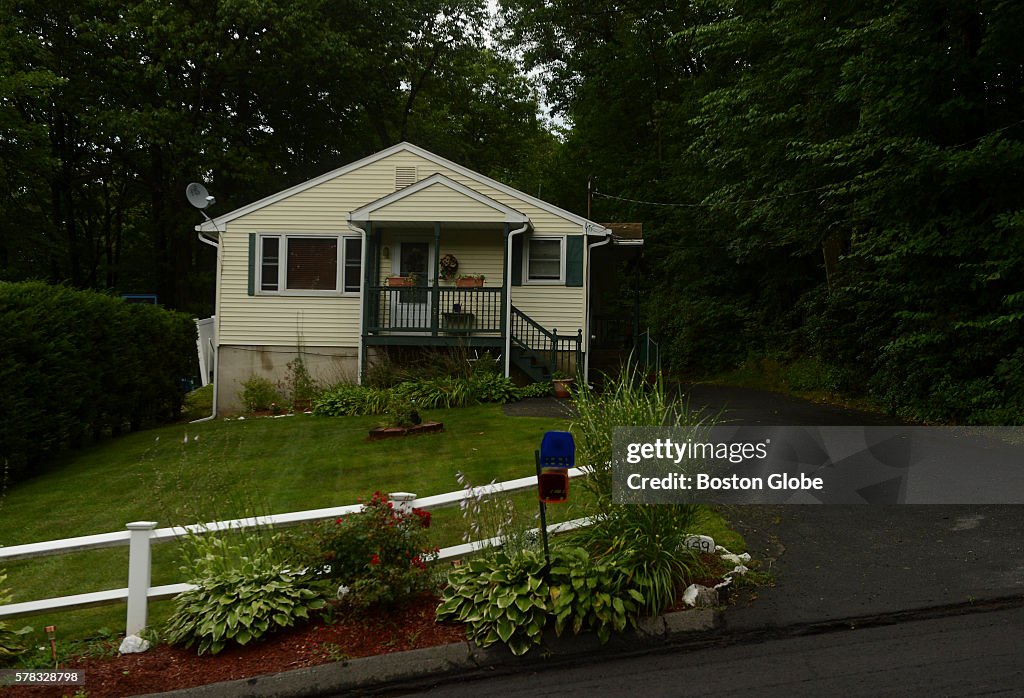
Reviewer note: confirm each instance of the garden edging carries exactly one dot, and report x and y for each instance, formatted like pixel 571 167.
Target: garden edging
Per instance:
pixel 459 657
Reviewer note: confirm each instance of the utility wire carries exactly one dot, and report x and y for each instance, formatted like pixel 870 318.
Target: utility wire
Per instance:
pixel 705 205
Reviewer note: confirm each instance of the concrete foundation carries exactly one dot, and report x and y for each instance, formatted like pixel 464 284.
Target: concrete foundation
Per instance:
pixel 236 364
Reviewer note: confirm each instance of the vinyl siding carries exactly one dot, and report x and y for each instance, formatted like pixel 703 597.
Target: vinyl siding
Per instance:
pixel 334 320
pixel 438 203
pixel 478 252
pixel 554 307
pixel 278 320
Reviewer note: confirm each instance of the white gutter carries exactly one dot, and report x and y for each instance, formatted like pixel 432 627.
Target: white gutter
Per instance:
pixel 365 252
pixel 508 296
pixel 216 350
pixel 586 353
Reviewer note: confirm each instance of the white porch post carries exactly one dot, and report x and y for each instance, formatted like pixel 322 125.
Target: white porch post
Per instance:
pixel 139 571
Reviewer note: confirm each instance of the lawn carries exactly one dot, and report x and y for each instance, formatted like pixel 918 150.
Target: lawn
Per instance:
pixel 222 469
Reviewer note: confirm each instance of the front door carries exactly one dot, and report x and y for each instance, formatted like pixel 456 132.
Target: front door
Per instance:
pixel 411 306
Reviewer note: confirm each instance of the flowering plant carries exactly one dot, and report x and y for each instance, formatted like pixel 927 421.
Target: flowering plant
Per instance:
pixel 380 554
pixel 449 265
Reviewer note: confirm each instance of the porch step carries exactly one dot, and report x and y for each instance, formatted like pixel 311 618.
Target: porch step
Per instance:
pixel 530 363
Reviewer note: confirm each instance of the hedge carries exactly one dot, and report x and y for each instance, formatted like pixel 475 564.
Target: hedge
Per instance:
pixel 75 365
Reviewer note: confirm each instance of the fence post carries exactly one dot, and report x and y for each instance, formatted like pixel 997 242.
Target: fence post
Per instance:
pixel 402 501
pixel 139 571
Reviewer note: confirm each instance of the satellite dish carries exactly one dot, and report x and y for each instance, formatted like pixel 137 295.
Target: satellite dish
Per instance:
pixel 198 196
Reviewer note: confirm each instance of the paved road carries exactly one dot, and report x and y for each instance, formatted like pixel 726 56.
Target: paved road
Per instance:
pixel 971 655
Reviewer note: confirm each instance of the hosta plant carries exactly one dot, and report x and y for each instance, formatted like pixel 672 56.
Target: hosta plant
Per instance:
pixel 510 597
pixel 11 644
pixel 239 599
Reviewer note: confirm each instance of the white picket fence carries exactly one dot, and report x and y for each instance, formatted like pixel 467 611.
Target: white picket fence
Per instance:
pixel 139 536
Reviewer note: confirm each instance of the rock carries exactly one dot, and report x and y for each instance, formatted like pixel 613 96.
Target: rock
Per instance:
pixel 700 596
pixel 736 559
pixel 133 644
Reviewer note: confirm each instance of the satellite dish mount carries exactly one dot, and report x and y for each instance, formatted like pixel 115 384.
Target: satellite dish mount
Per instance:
pixel 200 198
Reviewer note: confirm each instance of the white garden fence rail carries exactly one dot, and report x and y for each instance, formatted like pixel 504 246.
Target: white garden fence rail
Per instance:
pixel 140 535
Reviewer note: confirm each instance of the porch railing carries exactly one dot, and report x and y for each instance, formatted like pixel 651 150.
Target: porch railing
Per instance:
pixel 441 311
pixel 561 353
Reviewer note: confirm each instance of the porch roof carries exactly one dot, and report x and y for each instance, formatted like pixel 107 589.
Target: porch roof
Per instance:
pixel 437 198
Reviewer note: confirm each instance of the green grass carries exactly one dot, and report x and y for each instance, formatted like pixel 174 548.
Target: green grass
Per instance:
pixel 233 468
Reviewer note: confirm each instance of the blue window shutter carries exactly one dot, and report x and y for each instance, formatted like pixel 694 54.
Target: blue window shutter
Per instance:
pixel 574 260
pixel 252 264
pixel 517 260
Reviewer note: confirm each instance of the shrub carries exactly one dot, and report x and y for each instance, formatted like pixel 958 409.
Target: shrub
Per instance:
pixel 341 401
pixel 10 640
pixel 539 389
pixel 259 393
pixel 492 387
pixel 510 598
pixel 379 555
pixel 79 364
pixel 244 592
pixel 647 540
pixel 300 383
pixel 432 393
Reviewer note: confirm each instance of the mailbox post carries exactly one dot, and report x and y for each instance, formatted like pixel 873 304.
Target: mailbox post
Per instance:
pixel 556 455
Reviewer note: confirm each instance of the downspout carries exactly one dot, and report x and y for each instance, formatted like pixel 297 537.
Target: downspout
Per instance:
pixel 586 353
pixel 216 350
pixel 362 298
pixel 508 296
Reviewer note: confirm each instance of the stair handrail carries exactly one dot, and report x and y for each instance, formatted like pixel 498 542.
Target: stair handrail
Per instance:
pixel 552 337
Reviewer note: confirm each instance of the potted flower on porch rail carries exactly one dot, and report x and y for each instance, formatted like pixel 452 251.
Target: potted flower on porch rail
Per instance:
pixel 469 280
pixel 397 281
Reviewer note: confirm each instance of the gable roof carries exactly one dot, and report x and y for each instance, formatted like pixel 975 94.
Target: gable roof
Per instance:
pixel 493 210
pixel 216 224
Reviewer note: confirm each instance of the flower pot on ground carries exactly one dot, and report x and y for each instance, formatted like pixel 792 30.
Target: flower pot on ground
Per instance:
pixel 561 386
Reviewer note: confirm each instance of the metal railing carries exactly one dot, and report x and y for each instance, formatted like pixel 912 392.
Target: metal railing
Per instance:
pixel 560 352
pixel 646 350
pixel 440 311
pixel 141 535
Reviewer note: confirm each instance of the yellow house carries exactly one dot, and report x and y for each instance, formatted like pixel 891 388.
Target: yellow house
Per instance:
pixel 320 267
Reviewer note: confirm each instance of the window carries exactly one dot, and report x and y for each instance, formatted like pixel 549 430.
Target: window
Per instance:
pixel 544 260
pixel 310 264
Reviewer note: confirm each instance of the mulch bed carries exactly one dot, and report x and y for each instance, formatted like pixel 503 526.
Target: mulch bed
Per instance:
pixel 350 635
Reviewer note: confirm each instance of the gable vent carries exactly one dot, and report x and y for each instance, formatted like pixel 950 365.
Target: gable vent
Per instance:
pixel 404 176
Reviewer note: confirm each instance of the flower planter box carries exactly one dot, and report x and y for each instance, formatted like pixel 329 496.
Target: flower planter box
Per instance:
pixel 469 283
pixel 378 433
pixel 400 281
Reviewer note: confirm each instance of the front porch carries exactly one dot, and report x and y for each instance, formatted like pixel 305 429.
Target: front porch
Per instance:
pixel 469 317
pixel 435 315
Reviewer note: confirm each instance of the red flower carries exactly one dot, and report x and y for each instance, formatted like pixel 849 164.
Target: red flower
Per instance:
pixel 375 559
pixel 424 517
pixel 338 520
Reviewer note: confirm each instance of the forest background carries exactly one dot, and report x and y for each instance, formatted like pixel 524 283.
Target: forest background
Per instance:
pixel 833 182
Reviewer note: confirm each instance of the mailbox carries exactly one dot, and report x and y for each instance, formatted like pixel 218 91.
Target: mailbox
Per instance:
pixel 553 485
pixel 557 454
